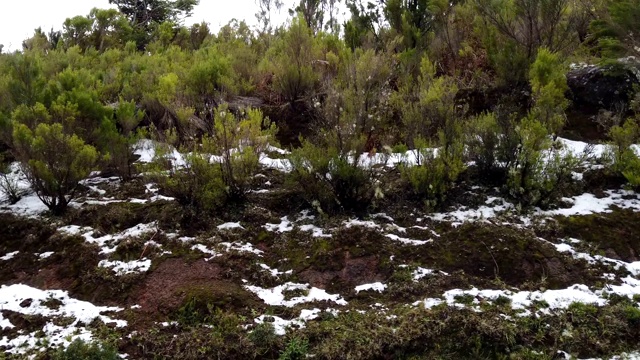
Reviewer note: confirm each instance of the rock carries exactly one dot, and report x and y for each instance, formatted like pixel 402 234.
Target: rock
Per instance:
pixel 603 87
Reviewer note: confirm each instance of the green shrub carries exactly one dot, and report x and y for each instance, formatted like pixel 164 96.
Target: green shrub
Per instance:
pixel 331 180
pixel 240 141
pixel 196 185
pixel 80 350
pixel 625 159
pixel 430 118
pixel 264 338
pixel 219 169
pixel 549 85
pixel 122 139
pixel 333 170
pixel 434 175
pixel 296 349
pixel 290 62
pixel 54 162
pixel 540 175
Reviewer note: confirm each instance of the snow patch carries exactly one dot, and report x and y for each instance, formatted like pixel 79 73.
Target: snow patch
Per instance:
pixel 377 286
pixel 276 297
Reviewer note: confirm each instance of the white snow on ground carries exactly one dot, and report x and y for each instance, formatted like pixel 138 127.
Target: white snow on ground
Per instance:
pixel 584 204
pixel 271 148
pixel 276 296
pixel 147 150
pixel 623 356
pixel 240 247
pixel 304 215
pixel 29 205
pixel 275 272
pixel 589 204
pixel 376 286
pixel 11 299
pixel 205 250
pixel 494 206
pixel 364 223
pixel 284 226
pixel 230 225
pixel 287 225
pixel 123 268
pixel 578 147
pixel 108 243
pixel 556 299
pixel 420 272
pixel 9 256
pixel 633 267
pixel 407 241
pixel 45 255
pixel 315 231
pixel 283 165
pixel 280 325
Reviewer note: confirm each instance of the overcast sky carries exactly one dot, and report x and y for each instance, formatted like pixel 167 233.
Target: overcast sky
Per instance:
pixel 19 18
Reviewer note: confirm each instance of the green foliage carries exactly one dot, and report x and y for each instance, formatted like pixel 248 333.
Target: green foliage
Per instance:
pixel 612 34
pixel 625 159
pixel 549 85
pixel 333 170
pixel 509 36
pixel 436 169
pixel 296 349
pixel 240 141
pixel 429 111
pixel 54 162
pixel 218 170
pixel 80 350
pixel 333 181
pixel 540 175
pixel 264 337
pixel 290 60
pixel 146 16
pixel 209 76
pixel 121 138
pixel 196 185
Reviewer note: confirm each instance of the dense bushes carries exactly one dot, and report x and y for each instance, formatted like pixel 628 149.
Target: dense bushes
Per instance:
pixel 394 80
pixel 336 169
pixel 218 170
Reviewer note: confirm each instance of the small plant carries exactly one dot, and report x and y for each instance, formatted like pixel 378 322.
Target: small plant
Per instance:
pixel 264 337
pixel 436 170
pixel 625 159
pixel 80 350
pixel 9 183
pixel 466 299
pixel 296 349
pixel 633 314
pixel 502 301
pixel 239 142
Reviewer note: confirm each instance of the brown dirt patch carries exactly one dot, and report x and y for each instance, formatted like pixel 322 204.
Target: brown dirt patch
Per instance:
pixel 355 271
pixel 166 288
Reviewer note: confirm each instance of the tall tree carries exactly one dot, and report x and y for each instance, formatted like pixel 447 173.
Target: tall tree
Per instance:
pixel 145 15
pixel 264 13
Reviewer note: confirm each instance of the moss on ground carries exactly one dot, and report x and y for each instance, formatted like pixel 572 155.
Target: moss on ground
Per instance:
pixel 616 234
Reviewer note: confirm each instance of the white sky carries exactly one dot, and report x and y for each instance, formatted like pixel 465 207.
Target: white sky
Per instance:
pixel 19 18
